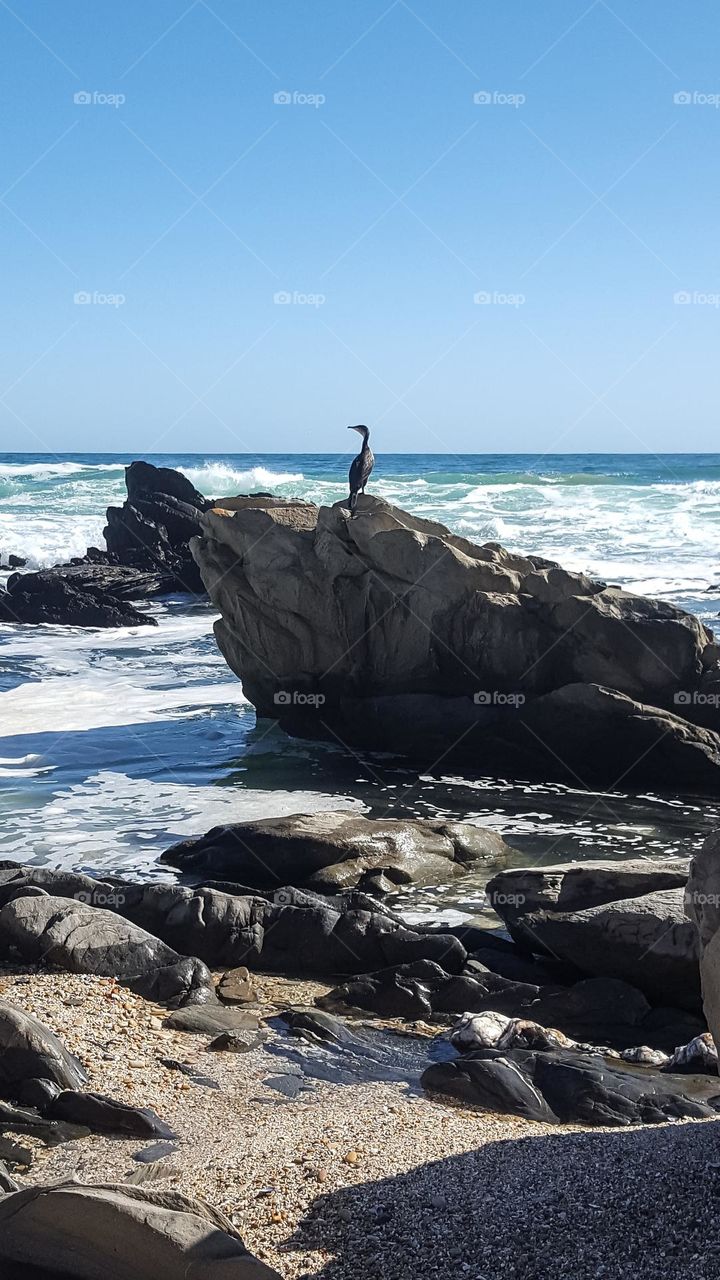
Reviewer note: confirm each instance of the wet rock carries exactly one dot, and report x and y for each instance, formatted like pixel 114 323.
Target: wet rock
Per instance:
pixel 507 661
pixel 148 1235
pixel 49 597
pixel 644 1056
pixel 296 932
pixel 29 1049
pixel 105 1115
pixel 85 939
pixel 331 851
pixel 562 1086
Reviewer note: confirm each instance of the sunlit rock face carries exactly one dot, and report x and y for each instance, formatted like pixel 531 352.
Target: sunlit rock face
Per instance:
pixel 390 632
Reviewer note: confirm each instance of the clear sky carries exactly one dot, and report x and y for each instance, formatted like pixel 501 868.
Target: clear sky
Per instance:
pixel 577 197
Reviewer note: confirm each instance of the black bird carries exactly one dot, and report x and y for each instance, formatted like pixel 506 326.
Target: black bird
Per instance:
pixel 361 467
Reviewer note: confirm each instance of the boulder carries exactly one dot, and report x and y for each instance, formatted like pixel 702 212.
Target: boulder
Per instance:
pixel 563 1086
pixel 86 939
pixel 333 850
pixel 574 886
pixel 30 1050
pixel 645 940
pixel 393 633
pixel 127 1232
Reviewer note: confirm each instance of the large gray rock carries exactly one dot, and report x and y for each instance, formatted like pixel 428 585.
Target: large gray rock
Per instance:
pixel 702 903
pixel 645 940
pixel 87 939
pixel 336 850
pixel 575 886
pixel 350 625
pixel 30 1050
pixel 123 1232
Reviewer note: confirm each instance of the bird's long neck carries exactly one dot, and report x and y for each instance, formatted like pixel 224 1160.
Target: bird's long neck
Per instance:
pixel 365 436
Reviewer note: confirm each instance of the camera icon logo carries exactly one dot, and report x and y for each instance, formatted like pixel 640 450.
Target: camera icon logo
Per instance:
pixel 282 98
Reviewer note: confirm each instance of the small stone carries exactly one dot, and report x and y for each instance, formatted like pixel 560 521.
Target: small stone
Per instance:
pixel 321 1175
pixel 351 1157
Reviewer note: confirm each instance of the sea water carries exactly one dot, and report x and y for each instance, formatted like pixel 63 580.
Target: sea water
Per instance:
pixel 114 744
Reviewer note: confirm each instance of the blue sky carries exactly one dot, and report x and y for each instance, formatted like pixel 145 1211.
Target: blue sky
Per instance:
pixel 578 202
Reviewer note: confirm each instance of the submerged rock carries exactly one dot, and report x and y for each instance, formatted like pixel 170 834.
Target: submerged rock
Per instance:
pixel 332 851
pixel 395 634
pixel 128 1232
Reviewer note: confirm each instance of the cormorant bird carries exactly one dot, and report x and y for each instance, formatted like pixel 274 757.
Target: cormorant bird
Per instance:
pixel 361 467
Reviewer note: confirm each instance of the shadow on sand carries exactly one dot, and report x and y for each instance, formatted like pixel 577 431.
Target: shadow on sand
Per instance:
pixel 640 1204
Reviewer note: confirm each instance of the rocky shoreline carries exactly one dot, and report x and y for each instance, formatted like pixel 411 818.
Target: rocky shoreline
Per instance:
pixel 256 1068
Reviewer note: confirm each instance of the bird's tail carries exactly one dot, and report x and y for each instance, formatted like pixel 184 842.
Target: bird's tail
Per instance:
pixel 353 501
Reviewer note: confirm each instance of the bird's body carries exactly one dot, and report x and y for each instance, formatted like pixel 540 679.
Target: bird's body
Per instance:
pixel 361 467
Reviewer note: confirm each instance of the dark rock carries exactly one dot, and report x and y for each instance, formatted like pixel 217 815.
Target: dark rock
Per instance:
pixel 16 562
pixel 49 1131
pixel 331 851
pixel 143 480
pixel 158 1151
pixel 563 1086
pixel 645 940
pixel 37 1093
pixel 234 1042
pixel 105 1115
pixel 49 597
pixel 15 1152
pixel 297 932
pixel 86 939
pixel 128 1232
pixel 29 1049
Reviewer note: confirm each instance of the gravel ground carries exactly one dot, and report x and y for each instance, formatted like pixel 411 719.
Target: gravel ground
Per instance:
pixel 370 1181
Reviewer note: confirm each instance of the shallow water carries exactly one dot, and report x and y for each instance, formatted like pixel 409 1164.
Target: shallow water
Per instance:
pixel 115 744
